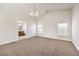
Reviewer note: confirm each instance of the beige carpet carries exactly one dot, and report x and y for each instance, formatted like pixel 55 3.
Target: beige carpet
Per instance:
pixel 39 46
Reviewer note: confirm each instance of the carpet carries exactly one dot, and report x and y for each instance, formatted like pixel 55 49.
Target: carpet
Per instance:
pixel 39 46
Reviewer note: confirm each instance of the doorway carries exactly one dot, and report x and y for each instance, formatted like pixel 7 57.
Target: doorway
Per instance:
pixel 22 29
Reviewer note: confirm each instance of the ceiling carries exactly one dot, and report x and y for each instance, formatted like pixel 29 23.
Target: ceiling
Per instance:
pixel 24 9
pixel 43 8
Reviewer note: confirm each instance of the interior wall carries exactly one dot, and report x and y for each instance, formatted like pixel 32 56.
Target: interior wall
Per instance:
pixel 75 25
pixel 29 21
pixel 8 29
pixel 50 22
pixel 9 17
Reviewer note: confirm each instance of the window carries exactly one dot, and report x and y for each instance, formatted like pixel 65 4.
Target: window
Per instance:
pixel 63 29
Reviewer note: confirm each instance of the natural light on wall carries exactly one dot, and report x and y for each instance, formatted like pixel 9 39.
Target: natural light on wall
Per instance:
pixel 40 29
pixel 33 28
pixel 63 29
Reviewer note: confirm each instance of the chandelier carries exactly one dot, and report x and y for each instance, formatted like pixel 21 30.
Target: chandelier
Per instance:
pixel 34 13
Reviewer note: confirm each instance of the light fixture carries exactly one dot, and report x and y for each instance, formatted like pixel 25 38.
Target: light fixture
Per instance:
pixel 34 13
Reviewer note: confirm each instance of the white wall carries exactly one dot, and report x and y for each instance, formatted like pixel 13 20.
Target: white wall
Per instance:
pixel 75 25
pixel 8 29
pixel 50 22
pixel 30 28
pixel 30 23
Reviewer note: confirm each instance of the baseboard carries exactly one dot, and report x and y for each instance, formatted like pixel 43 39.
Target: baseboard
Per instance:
pixel 56 38
pixel 14 40
pixel 30 36
pixel 8 42
pixel 74 43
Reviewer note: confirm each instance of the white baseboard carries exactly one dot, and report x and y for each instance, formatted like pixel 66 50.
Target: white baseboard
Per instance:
pixel 74 43
pixel 8 42
pixel 15 40
pixel 30 36
pixel 56 38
